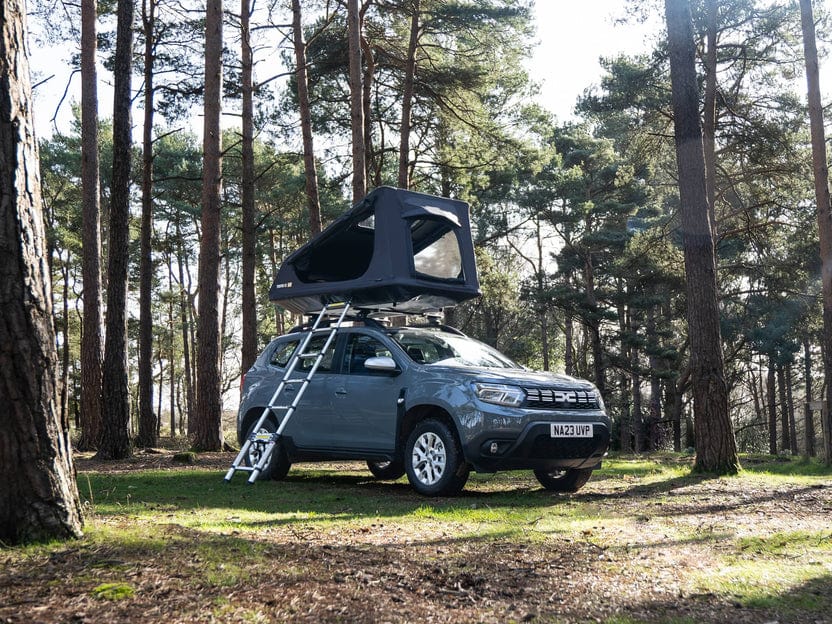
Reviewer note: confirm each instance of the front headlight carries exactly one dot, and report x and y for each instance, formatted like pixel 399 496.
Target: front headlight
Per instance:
pixel 500 394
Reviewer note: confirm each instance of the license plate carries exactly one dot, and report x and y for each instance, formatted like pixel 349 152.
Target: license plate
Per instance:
pixel 571 430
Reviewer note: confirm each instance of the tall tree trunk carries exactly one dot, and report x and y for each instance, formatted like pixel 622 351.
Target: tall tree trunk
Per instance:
pixel 186 341
pixel 655 406
pixel 635 376
pixel 312 201
pixel 716 448
pixel 808 416
pixel 65 346
pixel 249 349
pixel 407 97
pixel 359 166
pixel 772 408
pixel 115 434
pixel 91 354
pixel 38 498
pixel 373 164
pixel 569 348
pixel 208 413
pixel 594 325
pixel 147 419
pixel 790 406
pixel 709 117
pixel 784 409
pixel 821 174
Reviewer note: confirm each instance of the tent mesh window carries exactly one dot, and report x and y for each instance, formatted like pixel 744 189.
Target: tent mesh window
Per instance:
pixel 436 252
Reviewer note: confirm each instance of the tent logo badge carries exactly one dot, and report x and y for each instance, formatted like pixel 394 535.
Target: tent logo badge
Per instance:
pixel 284 285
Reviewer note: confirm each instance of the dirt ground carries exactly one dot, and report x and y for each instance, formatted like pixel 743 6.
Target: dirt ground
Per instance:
pixel 627 571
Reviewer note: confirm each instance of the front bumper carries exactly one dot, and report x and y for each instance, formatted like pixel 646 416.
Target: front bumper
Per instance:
pixel 535 448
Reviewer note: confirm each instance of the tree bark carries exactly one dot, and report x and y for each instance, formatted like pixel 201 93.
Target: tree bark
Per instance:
pixel 790 405
pixel 808 416
pixel 91 353
pixel 186 341
pixel 249 348
pixel 407 97
pixel 716 449
pixel 821 175
pixel 208 414
pixel 784 409
pixel 115 434
pixel 148 421
pixel 709 117
pixel 38 498
pixel 359 166
pixel 772 408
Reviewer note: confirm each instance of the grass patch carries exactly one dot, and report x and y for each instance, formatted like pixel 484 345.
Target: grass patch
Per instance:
pixel 113 591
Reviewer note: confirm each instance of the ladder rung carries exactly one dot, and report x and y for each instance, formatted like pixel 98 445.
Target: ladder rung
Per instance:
pixel 309 355
pixel 294 380
pixel 283 407
pixel 245 468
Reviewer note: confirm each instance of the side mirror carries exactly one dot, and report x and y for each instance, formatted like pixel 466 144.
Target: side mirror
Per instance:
pixel 382 364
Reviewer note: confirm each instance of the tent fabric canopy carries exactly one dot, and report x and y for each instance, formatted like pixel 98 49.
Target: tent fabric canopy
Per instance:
pixel 395 250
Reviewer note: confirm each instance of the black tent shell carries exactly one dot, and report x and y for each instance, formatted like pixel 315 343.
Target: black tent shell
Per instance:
pixel 395 250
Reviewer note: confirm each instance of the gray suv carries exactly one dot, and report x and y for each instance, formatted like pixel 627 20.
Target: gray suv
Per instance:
pixel 428 402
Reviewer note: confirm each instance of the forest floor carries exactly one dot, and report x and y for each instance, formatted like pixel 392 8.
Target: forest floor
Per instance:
pixel 643 541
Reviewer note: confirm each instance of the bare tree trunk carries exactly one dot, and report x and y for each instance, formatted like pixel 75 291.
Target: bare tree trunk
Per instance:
pixel 91 353
pixel 772 408
pixel 716 448
pixel 821 174
pixel 313 202
pixel 790 404
pixel 65 350
pixel 249 349
pixel 808 416
pixel 207 426
pixel 709 118
pixel 655 406
pixel 148 421
pixel 115 434
pixel 407 97
pixel 569 355
pixel 186 341
pixel 635 376
pixel 366 104
pixel 38 498
pixel 359 156
pixel 784 409
pixel 594 326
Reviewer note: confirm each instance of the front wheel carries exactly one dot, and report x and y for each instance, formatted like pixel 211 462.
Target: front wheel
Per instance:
pixel 563 480
pixel 434 462
pixel 278 465
pixel 386 470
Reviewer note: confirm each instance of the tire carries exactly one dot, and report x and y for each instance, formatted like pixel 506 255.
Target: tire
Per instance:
pixel 433 460
pixel 563 480
pixel 386 470
pixel 278 466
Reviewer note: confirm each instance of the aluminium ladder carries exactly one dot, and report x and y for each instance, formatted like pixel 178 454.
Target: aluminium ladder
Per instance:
pixel 271 440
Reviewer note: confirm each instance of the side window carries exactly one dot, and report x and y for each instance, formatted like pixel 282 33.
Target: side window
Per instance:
pixel 359 348
pixel 283 353
pixel 315 345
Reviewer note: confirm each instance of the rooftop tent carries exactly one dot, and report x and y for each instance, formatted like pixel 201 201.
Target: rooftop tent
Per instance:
pixel 394 250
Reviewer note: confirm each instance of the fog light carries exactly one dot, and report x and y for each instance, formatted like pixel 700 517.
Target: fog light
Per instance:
pixel 494 448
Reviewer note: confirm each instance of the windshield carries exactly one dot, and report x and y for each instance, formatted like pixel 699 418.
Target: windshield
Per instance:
pixel 443 348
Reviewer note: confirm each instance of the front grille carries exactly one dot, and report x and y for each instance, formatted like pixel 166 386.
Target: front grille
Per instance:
pixel 567 448
pixel 551 398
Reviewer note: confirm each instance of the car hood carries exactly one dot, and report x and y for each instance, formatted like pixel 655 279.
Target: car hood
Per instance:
pixel 516 377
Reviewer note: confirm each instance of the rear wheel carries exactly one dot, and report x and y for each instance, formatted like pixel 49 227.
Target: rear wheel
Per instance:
pixel 278 465
pixel 563 479
pixel 434 462
pixel 386 470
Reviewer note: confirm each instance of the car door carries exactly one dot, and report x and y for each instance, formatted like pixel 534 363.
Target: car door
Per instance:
pixel 366 401
pixel 311 423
